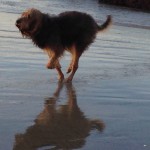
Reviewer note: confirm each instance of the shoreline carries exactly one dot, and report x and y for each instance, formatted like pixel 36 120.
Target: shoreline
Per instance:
pixel 139 6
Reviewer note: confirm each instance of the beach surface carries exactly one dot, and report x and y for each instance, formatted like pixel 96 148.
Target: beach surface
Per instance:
pixel 107 106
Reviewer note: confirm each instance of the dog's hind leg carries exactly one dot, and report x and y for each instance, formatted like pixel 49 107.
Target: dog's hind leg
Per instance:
pixel 71 50
pixel 74 64
pixel 70 66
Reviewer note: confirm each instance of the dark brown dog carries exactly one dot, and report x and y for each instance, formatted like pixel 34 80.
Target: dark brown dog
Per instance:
pixel 72 31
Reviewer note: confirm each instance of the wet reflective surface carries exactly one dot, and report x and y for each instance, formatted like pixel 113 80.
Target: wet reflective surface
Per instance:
pixel 59 126
pixel 107 105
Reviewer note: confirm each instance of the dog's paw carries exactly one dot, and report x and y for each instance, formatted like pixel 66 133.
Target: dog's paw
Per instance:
pixel 61 78
pixel 69 70
pixel 50 65
pixel 69 79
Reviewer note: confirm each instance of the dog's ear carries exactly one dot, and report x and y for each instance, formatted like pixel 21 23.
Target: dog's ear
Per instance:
pixel 37 20
pixel 35 27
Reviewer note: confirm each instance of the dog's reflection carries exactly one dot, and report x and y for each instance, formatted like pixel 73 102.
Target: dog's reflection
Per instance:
pixel 58 127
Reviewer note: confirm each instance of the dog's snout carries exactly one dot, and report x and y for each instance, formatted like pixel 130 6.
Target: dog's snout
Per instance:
pixel 18 21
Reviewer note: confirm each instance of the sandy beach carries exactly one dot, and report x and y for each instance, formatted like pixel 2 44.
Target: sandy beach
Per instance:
pixel 105 108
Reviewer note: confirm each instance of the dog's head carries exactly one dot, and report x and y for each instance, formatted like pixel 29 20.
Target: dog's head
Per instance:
pixel 29 22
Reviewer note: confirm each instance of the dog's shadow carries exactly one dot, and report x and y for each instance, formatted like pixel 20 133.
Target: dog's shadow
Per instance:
pixel 58 127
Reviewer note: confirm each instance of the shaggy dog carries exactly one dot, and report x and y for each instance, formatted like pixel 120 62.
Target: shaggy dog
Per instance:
pixel 72 31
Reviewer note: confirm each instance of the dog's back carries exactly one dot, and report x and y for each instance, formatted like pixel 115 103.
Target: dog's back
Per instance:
pixel 77 29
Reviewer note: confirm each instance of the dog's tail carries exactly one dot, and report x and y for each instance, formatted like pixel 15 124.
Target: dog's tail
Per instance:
pixel 106 24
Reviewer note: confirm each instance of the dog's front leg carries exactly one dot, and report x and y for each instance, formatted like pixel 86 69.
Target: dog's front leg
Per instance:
pixel 60 74
pixel 52 58
pixel 51 63
pixel 56 65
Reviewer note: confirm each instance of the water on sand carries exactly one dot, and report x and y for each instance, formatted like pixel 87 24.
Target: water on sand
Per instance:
pixel 107 105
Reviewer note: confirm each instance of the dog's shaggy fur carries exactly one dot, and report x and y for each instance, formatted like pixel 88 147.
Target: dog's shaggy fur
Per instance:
pixel 72 31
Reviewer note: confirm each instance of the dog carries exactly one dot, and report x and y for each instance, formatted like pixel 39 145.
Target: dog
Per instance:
pixel 71 30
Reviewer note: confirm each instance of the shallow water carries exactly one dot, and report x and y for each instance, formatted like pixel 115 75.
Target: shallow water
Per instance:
pixel 107 105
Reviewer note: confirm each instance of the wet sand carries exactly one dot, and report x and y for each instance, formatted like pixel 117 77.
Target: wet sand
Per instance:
pixel 106 107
